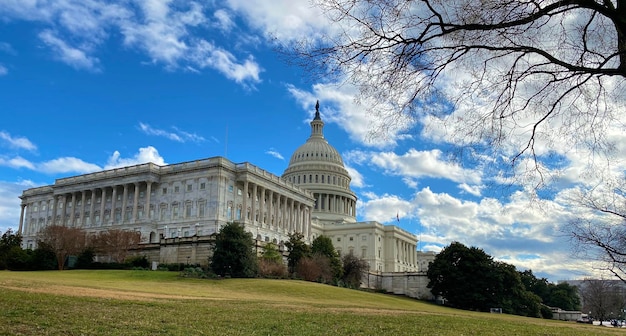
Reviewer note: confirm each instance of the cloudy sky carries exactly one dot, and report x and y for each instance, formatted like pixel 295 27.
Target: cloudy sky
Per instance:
pixel 87 85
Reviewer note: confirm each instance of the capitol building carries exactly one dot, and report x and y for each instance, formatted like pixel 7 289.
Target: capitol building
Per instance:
pixel 177 208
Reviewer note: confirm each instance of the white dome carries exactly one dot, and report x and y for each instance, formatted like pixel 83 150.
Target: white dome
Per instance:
pixel 317 166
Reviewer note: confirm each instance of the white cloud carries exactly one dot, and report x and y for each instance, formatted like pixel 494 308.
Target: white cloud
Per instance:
pixel 384 209
pixel 17 142
pixel 75 57
pixel 529 237
pixel 416 164
pixel 178 135
pixel 283 19
pixel 357 179
pixel 171 33
pixel 67 165
pixel 206 54
pixel 223 20
pixel 3 70
pixel 17 162
pixel 473 190
pixel 145 155
pixel 274 153
pixel 338 105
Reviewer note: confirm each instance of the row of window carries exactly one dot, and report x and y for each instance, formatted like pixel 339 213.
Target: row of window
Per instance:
pixel 302 179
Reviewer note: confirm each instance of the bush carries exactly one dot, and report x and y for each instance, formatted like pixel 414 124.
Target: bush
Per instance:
pixel 85 258
pixel 138 262
pixel 197 272
pixel 271 269
pixel 19 260
pixel 43 258
pixel 173 267
pixel 316 268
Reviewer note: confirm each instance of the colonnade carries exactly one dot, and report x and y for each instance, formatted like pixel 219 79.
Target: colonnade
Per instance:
pixel 406 252
pixel 269 209
pixel 335 204
pixel 89 207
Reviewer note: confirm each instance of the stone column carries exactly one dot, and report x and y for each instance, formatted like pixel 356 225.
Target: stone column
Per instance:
pixel 19 229
pixel 135 202
pixel 292 218
pixel 262 206
pixel 103 199
pixel 91 207
pixel 300 220
pixel 55 205
pixel 124 201
pixel 64 209
pixel 318 202
pixel 113 204
pixel 254 207
pixel 245 202
pixel 270 198
pixel 147 206
pixel 82 208
pixel 72 210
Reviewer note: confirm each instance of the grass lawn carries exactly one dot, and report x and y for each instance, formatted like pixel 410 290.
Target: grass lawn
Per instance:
pixel 161 303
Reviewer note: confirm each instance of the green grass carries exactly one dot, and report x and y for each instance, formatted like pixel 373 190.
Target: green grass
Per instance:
pixel 161 303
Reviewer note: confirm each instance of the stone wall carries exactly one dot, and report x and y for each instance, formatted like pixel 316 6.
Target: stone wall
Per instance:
pixel 411 284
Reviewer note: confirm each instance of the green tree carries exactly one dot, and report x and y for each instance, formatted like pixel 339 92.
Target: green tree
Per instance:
pixel 271 262
pixel 510 294
pixel 462 276
pixel 271 253
pixel 323 245
pixel 8 242
pixel 564 296
pixel 539 286
pixel 234 252
pixel 353 269
pixel 469 278
pixel 297 249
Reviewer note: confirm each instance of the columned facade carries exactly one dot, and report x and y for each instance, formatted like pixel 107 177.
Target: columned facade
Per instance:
pixel 188 202
pixel 193 198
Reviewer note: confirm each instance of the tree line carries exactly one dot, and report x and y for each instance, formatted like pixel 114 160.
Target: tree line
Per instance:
pixel 468 278
pixel 56 244
pixel 234 255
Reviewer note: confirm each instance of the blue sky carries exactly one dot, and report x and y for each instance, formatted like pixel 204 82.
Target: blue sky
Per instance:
pixel 90 85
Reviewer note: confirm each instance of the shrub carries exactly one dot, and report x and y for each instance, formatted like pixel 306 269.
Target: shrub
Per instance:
pixel 316 268
pixel 197 272
pixel 271 269
pixel 85 258
pixel 138 262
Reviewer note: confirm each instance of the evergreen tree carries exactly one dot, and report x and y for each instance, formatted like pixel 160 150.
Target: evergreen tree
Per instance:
pixel 469 278
pixel 9 244
pixel 272 254
pixel 234 252
pixel 297 249
pixel 323 246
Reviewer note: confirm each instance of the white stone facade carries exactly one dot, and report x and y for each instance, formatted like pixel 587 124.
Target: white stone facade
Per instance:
pixel 182 200
pixel 180 203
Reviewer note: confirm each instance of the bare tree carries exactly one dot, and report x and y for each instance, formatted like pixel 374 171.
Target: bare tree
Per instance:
pixel 116 243
pixel 603 298
pixel 598 231
pixel 517 79
pixel 64 241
